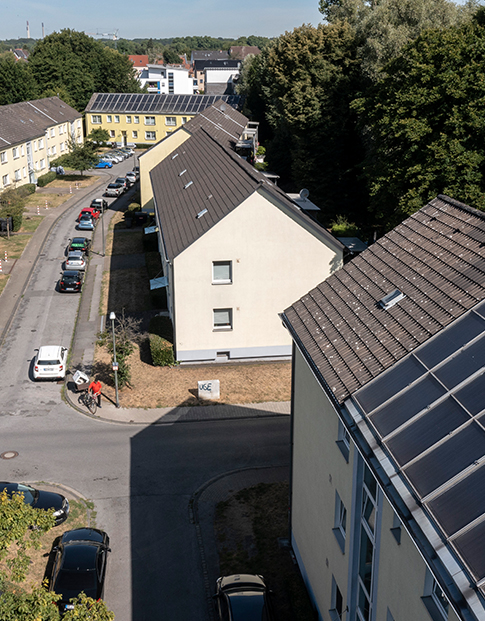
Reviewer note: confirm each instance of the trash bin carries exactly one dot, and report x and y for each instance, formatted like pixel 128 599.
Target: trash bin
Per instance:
pixel 81 380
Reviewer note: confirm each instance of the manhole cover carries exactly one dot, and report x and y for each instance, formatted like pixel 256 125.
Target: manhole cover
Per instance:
pixel 9 454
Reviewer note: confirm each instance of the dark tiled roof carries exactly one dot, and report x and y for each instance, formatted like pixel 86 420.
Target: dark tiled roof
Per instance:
pixel 200 65
pixel 202 174
pixel 209 54
pixel 436 258
pixel 29 119
pixel 221 121
pixel 152 103
pixel 241 51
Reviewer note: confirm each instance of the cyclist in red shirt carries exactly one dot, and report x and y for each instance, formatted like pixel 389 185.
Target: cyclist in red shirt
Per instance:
pixel 95 390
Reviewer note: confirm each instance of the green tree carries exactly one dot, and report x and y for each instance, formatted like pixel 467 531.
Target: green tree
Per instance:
pixel 88 609
pixel 16 80
pixel 36 605
pixel 98 136
pixel 426 123
pixel 81 156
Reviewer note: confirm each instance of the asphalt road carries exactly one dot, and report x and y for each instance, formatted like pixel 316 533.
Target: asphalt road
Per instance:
pixel 141 478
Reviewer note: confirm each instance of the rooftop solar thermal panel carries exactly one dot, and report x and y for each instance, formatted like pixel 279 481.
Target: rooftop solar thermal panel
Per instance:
pixel 463 365
pixel 466 545
pixel 430 428
pixel 447 460
pixel 471 396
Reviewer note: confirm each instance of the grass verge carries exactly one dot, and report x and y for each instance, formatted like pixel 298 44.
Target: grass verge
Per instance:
pixel 248 528
pixel 15 244
pixel 3 282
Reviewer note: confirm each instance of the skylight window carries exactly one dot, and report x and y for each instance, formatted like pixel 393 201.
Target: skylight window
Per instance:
pixel 391 298
pixel 201 213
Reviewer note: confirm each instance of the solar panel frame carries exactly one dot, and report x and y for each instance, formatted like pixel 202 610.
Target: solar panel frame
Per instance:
pixel 471 395
pixel 456 370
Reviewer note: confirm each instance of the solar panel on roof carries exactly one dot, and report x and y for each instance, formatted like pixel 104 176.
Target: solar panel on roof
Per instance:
pixel 464 364
pixel 480 309
pixel 390 383
pixel 447 460
pixel 407 404
pixel 471 396
pixel 451 340
pixel 473 553
pixel 462 503
pixel 430 428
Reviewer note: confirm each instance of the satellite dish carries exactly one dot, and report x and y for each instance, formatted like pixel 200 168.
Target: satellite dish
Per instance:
pixel 304 193
pixel 223 107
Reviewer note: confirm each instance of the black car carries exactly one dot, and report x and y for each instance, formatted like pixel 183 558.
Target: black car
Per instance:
pixel 99 203
pixel 79 243
pixel 242 597
pixel 79 565
pixel 71 280
pixel 39 499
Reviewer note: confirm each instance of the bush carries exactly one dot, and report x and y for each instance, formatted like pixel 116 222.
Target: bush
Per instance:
pixel 161 351
pixel 25 190
pixel 43 180
pixel 12 203
pixel 341 227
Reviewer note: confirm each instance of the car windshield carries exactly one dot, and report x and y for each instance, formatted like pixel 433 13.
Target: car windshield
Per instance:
pixel 71 583
pixel 70 277
pixel 86 217
pixel 29 492
pixel 48 363
pixel 249 606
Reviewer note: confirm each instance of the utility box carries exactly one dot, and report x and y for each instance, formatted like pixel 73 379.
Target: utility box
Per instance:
pixel 209 389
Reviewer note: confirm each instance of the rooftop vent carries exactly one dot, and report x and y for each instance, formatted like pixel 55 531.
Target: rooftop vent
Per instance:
pixel 187 185
pixel 183 172
pixel 390 299
pixel 201 213
pixel 174 156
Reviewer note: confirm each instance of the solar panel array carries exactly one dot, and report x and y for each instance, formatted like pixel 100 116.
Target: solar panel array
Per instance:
pixel 429 412
pixel 148 103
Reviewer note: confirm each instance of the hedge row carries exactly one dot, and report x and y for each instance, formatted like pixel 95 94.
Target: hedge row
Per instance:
pixel 43 180
pixel 161 338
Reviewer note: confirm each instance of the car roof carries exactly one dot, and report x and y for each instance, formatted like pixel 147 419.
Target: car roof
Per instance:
pixel 84 534
pixel 243 581
pixel 80 240
pixel 66 273
pixel 75 253
pixel 49 352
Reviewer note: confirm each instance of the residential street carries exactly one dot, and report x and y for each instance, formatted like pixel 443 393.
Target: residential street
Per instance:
pixel 141 478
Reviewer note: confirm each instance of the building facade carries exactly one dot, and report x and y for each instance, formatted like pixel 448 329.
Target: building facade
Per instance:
pixel 32 134
pixel 167 79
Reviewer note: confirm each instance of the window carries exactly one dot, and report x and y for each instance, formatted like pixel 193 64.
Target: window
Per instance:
pixel 24 172
pixel 343 440
pixel 62 146
pixel 150 135
pixel 149 120
pixel 53 131
pixel 96 119
pixel 171 89
pixel 111 133
pixel 222 318
pixel 396 528
pixel 109 118
pixel 184 120
pixel 134 134
pixel 366 546
pixel 41 143
pixel 79 123
pixel 340 522
pixel 15 153
pixel 221 272
pixel 61 130
pixel 434 599
pixel 53 150
pixel 35 146
pixel 22 150
pixel 17 175
pixel 5 180
pixel 136 119
pixel 3 157
pixel 128 119
pixel 42 164
pixel 336 602
pixel 117 118
pixel 170 120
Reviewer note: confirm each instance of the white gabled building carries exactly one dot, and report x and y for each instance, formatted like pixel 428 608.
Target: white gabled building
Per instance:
pixel 167 79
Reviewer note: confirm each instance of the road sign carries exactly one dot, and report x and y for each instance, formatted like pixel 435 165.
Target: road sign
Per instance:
pixel 115 367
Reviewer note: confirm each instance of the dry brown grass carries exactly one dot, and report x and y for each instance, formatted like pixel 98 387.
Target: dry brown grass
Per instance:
pixel 3 282
pixel 153 387
pixel 69 179
pixel 125 289
pixel 53 200
pixel 15 244
pixel 130 242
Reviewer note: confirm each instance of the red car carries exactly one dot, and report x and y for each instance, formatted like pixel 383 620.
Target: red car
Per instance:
pixel 89 211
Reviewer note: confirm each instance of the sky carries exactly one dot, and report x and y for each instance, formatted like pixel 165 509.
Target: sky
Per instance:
pixel 157 18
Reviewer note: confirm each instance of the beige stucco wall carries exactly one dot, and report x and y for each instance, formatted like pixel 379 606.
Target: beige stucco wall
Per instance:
pixel 151 158
pixel 319 469
pixel 274 262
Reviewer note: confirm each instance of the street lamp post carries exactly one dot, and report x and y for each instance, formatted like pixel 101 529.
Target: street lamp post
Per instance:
pixel 112 316
pixel 102 224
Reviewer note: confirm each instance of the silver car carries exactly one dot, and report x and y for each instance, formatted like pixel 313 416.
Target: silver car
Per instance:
pixel 75 260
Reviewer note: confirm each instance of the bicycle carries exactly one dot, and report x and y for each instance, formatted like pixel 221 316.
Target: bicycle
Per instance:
pixel 87 399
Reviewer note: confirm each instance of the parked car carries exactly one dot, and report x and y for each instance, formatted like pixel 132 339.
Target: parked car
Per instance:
pixel 79 243
pixel 116 157
pixel 114 189
pixel 79 565
pixel 76 260
pixel 39 499
pixel 242 597
pixel 93 214
pixel 86 223
pixel 71 280
pixel 104 164
pixel 50 362
pixel 123 181
pixel 99 203
pixel 131 177
pixel 111 160
pixel 129 152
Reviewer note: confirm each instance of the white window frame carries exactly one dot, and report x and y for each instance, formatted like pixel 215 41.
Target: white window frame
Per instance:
pixel 53 132
pixel 41 143
pixel 109 118
pixel 24 172
pixel 22 149
pixel 53 150
pixel 149 119
pixel 136 119
pixel 3 157
pixel 217 325
pixel 184 120
pixel 171 121
pixel 5 180
pixel 336 602
pixel 96 119
pixel 343 440
pixel 134 134
pixel 128 119
pixel 17 175
pixel 434 598
pixel 117 118
pixel 112 133
pixel 340 522
pixel 42 164
pixel 15 153
pixel 220 264
pixel 150 135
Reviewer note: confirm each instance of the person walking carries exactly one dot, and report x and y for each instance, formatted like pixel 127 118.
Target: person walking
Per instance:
pixel 95 390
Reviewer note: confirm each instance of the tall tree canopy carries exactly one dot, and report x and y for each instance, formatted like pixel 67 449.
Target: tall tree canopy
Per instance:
pixel 79 64
pixel 16 80
pixel 426 120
